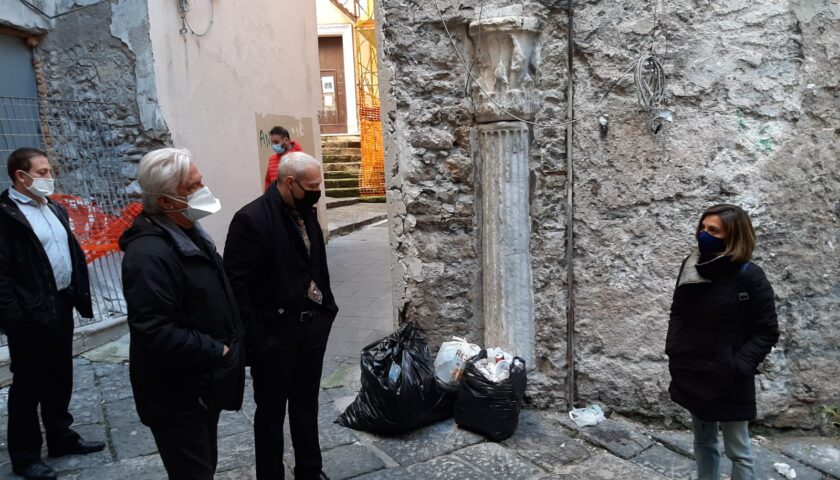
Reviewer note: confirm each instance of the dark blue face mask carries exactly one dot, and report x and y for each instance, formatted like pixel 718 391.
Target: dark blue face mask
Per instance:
pixel 709 244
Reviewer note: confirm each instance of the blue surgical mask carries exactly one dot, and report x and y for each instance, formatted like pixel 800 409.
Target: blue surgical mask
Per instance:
pixel 709 244
pixel 278 148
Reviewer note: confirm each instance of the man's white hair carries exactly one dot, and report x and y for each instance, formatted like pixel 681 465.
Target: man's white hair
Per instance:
pixel 160 173
pixel 294 164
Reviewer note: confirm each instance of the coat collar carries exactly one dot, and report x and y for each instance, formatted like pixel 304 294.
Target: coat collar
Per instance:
pixel 10 208
pixel 183 243
pixel 695 271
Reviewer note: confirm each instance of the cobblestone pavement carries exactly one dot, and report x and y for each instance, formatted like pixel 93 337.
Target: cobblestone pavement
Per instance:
pixel 546 445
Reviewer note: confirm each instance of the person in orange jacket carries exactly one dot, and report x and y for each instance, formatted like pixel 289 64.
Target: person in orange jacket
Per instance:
pixel 282 144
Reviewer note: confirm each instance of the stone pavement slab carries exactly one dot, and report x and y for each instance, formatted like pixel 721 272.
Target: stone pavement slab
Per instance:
pixel 350 461
pixel 617 436
pixel 148 467
pixel 764 460
pixel 540 439
pixel 427 442
pixel 346 219
pixel 667 462
pixel 606 466
pixel 821 454
pixel 443 468
pixel 678 441
pixel 499 463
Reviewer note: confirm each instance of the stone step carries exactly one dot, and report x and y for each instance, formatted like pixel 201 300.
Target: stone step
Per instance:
pixel 342 192
pixel 341 202
pixel 340 138
pixel 372 199
pixel 342 158
pixel 343 167
pixel 341 174
pixel 341 183
pixel 335 151
pixel 351 144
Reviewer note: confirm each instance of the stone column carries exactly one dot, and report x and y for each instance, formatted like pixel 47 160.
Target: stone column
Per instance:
pixel 507 59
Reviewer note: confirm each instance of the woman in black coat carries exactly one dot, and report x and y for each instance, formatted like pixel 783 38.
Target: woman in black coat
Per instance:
pixel 723 324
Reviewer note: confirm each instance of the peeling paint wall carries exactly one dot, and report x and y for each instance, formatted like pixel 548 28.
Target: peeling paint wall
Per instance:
pixel 100 51
pixel 753 88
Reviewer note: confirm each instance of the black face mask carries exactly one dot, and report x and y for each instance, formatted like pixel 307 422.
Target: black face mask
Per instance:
pixel 310 198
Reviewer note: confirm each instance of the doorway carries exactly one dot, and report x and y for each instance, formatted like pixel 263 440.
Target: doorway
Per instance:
pixel 333 112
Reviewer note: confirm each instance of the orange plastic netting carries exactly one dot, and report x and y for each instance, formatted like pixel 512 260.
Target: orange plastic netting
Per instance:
pixel 372 171
pixel 372 174
pixel 97 231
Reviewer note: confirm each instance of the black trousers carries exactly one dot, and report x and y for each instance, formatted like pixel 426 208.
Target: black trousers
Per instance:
pixel 42 373
pixel 189 448
pixel 290 371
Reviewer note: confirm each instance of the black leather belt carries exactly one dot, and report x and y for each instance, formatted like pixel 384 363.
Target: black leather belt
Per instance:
pixel 303 316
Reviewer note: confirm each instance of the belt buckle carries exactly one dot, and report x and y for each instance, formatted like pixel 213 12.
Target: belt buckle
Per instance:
pixel 304 316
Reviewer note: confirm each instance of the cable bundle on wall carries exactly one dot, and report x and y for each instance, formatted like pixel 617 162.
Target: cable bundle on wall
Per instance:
pixel 650 89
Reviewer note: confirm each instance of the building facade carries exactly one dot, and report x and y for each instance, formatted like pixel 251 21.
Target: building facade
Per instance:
pixel 545 176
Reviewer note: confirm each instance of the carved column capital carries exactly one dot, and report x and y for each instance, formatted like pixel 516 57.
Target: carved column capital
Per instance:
pixel 507 60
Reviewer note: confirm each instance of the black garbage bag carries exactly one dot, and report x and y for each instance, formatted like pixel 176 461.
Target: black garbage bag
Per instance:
pixel 487 407
pixel 399 391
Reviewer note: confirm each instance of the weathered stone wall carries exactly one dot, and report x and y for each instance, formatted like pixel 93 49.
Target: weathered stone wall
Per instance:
pixel 753 88
pixel 102 53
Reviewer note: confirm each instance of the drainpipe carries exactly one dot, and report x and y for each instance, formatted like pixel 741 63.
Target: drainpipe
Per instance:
pixel 570 215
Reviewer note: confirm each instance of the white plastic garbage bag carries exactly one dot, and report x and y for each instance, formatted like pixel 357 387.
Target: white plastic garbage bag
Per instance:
pixel 785 470
pixel 449 363
pixel 496 367
pixel 587 416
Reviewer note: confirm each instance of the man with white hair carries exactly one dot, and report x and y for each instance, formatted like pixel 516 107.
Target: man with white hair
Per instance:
pixel 277 263
pixel 186 361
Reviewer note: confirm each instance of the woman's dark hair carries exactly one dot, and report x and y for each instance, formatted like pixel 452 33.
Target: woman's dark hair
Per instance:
pixel 737 228
pixel 21 159
pixel 279 131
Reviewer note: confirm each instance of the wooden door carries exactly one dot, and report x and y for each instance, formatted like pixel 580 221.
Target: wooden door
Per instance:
pixel 333 113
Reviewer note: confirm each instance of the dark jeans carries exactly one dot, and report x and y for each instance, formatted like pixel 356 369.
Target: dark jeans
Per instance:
pixel 290 371
pixel 42 368
pixel 189 449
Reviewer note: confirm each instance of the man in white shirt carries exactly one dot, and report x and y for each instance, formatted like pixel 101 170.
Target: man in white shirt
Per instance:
pixel 43 276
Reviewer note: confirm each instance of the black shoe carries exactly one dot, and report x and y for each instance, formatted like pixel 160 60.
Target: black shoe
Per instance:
pixel 80 447
pixel 36 471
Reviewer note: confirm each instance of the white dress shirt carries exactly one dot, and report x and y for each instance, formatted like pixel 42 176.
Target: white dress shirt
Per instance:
pixel 52 235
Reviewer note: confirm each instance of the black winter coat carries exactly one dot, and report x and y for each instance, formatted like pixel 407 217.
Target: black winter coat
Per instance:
pixel 270 270
pixel 723 324
pixel 27 284
pixel 181 314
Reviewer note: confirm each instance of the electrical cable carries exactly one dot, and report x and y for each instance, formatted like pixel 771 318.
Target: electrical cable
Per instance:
pixel 650 89
pixel 185 8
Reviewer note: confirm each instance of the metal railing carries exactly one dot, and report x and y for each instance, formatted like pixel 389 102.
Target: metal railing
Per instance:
pixel 82 143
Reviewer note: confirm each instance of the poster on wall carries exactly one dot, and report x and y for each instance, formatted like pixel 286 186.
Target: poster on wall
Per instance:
pixel 301 129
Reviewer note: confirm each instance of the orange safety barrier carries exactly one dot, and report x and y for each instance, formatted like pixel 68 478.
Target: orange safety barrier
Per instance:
pixel 372 181
pixel 97 231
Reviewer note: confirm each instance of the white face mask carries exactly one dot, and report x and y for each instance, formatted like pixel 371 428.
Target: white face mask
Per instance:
pixel 200 204
pixel 43 187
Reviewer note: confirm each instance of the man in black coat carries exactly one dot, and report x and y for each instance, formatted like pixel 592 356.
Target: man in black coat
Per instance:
pixel 276 260
pixel 43 276
pixel 186 360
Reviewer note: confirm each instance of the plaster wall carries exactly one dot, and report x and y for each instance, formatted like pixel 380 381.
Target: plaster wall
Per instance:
pixel 211 88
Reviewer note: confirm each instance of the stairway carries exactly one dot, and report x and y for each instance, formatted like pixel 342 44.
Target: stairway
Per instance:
pixel 342 160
